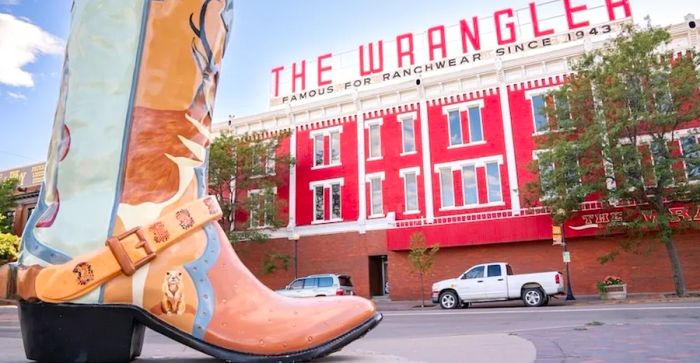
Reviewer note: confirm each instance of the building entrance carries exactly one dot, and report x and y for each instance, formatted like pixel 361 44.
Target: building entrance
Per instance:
pixel 378 275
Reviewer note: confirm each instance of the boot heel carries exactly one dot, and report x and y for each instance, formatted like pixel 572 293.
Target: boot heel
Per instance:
pixel 79 333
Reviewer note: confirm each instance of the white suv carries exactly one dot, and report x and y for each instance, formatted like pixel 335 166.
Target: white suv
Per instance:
pixel 319 285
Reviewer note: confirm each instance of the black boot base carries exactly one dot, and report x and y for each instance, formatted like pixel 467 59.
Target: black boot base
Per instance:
pixel 114 333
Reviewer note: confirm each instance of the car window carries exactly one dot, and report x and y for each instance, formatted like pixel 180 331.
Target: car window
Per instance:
pixel 494 270
pixel 475 273
pixel 298 284
pixel 325 282
pixel 310 283
pixel 345 281
pixel 509 270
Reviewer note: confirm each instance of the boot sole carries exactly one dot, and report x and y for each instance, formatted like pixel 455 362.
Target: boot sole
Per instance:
pixel 114 333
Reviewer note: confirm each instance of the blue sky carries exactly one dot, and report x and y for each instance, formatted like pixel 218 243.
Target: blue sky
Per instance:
pixel 266 33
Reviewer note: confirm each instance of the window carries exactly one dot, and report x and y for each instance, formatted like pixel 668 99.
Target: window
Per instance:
pixel 375 195
pixel 471 195
pixel 447 188
pixel 475 273
pixel 335 201
pixel 563 112
pixel 375 144
pixel 318 150
pixel 455 125
pixel 311 283
pixel 662 162
pixel 298 284
pixel 538 109
pixel 261 202
pixel 325 281
pixel 471 185
pixel 335 148
pixel 493 181
pixel 475 128
pixel 546 183
pixel 691 156
pixel 494 270
pixel 321 204
pixel 410 181
pixel 631 164
pixel 330 138
pixel 319 212
pixel 408 135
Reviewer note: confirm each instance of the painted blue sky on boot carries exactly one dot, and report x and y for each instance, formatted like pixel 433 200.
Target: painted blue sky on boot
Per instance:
pixel 265 34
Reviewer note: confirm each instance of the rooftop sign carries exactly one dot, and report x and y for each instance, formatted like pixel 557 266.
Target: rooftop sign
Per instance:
pixel 443 47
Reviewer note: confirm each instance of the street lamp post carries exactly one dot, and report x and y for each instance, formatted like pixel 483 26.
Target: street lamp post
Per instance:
pixel 295 237
pixel 565 247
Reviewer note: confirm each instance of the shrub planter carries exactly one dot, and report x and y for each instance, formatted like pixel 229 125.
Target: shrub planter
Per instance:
pixel 614 292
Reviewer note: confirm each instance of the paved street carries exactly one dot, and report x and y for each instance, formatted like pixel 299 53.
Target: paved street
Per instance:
pixel 667 332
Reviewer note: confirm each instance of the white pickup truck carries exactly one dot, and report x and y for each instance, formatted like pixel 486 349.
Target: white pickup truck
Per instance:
pixel 495 281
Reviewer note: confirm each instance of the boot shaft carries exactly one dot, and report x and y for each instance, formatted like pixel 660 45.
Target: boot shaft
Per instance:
pixel 131 129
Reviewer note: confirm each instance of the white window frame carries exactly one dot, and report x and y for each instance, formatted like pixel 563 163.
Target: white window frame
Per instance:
pixel 402 118
pixel 539 92
pixel 685 166
pixel 326 133
pixel 500 182
pixel 536 156
pixel 250 215
pixel 415 171
pixel 481 124
pixel 378 122
pixel 478 163
pixel 368 179
pixel 464 107
pixel 442 202
pixel 476 183
pixel 327 184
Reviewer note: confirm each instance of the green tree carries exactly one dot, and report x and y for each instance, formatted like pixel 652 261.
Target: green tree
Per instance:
pixel 244 173
pixel 421 258
pixel 621 132
pixel 7 203
pixel 9 246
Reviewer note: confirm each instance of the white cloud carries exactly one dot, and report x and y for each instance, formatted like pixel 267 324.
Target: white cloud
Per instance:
pixel 9 2
pixel 21 42
pixel 17 96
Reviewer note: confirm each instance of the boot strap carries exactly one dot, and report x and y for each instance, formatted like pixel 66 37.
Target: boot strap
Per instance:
pixel 123 254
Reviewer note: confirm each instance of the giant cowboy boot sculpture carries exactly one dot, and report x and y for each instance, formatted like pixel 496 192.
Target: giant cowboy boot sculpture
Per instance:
pixel 124 234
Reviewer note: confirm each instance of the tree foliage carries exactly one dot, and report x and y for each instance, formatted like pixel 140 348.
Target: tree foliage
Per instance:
pixel 244 173
pixel 623 130
pixel 421 259
pixel 7 203
pixel 9 246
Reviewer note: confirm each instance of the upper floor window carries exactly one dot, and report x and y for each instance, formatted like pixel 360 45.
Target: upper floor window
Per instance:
pixel 456 124
pixel 471 195
pixel 562 110
pixel 470 184
pixel 447 190
pixel 261 202
pixel 410 183
pixel 327 196
pixel 493 180
pixel 326 146
pixel 262 164
pixel 375 194
pixel 408 134
pixel 375 138
pixel 691 157
pixel 455 127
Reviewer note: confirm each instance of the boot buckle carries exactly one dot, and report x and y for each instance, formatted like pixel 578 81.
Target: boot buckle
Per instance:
pixel 128 266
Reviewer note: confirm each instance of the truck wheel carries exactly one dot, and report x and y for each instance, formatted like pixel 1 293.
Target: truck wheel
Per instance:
pixel 533 297
pixel 449 300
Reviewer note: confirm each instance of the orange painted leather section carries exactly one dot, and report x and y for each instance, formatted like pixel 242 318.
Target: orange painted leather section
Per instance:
pixel 60 283
pixel 251 318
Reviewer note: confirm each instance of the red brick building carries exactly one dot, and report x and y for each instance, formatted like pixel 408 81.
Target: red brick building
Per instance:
pixel 434 132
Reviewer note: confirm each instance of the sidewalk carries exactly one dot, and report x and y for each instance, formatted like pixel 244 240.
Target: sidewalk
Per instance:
pixel 386 304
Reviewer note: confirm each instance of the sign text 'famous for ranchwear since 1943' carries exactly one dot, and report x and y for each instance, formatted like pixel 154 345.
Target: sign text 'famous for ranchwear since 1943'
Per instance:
pixel 443 47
